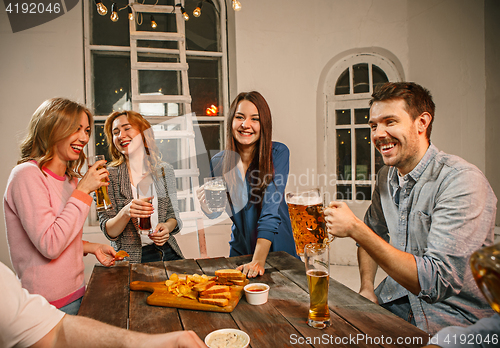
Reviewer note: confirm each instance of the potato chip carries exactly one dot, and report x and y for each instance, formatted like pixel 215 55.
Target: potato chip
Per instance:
pixel 121 254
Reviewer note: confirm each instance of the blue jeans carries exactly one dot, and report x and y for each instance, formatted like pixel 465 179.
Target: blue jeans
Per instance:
pixel 401 307
pixel 73 307
pixel 153 252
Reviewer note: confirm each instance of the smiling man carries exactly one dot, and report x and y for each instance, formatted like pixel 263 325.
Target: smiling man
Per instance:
pixel 430 211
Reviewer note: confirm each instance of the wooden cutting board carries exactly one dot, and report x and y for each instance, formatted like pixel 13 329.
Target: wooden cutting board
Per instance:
pixel 161 297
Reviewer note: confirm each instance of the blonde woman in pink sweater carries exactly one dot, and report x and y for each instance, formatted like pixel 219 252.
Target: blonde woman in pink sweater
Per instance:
pixel 45 206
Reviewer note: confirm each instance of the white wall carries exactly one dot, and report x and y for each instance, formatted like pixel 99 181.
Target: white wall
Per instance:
pixel 282 49
pixel 36 64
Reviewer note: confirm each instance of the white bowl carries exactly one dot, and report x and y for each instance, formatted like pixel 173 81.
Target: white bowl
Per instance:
pixel 243 340
pixel 256 293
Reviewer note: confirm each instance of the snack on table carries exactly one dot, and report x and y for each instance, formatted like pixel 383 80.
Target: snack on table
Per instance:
pixel 227 338
pixel 121 254
pixel 210 290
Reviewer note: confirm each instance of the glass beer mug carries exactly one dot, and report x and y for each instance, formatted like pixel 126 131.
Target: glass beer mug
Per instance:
pixel 485 266
pixel 307 218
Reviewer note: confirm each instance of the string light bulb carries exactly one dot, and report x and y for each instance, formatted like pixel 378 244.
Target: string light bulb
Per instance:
pixel 114 13
pixel 101 9
pixel 236 5
pixel 197 10
pixel 130 13
pixel 153 23
pixel 184 13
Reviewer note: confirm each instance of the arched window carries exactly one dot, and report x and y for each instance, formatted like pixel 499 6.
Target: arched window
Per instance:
pixel 355 161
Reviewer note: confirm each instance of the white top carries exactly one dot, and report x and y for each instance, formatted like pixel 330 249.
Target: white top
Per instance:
pixel 25 318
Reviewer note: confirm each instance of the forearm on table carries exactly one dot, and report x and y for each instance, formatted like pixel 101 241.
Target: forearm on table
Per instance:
pixel 401 266
pixel 74 331
pixel 261 250
pixel 367 270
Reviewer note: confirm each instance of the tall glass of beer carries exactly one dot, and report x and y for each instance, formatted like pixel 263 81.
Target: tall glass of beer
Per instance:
pixel 215 193
pixel 145 192
pixel 317 261
pixel 306 215
pixel 102 198
pixel 485 266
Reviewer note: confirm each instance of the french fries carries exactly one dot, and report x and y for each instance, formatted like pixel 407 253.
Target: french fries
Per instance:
pixel 197 287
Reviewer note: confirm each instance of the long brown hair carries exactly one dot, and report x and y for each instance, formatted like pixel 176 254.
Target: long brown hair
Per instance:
pixel 144 127
pixel 261 168
pixel 53 121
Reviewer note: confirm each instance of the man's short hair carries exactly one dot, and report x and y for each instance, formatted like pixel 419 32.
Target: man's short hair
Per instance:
pixel 417 99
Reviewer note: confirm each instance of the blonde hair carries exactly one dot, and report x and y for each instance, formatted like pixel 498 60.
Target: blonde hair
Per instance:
pixel 53 121
pixel 144 127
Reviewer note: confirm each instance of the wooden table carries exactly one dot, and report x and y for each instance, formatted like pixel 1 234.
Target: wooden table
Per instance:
pixel 281 322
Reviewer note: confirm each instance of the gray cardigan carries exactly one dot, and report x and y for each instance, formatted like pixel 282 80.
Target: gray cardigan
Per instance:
pixel 120 193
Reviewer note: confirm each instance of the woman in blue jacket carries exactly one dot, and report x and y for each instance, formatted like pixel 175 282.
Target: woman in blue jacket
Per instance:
pixel 256 172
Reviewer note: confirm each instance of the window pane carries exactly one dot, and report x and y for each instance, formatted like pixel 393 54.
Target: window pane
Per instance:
pixel 111 72
pixel 144 57
pixel 106 32
pixel 363 154
pixel 342 86
pixel 343 154
pixel 344 192
pixel 101 145
pixel 201 32
pixel 157 44
pixel 379 77
pixel 361 116
pixel 161 109
pixel 165 22
pixel 361 84
pixel 204 86
pixel 158 82
pixel 343 117
pixel 211 135
pixel 363 192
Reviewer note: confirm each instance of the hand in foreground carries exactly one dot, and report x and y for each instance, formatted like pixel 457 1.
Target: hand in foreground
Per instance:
pixel 252 269
pixel 105 254
pixel 139 208
pixel 160 234
pixel 200 192
pixel 340 220
pixel 93 179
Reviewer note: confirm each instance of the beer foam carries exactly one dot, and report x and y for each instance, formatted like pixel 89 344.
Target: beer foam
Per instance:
pixel 300 200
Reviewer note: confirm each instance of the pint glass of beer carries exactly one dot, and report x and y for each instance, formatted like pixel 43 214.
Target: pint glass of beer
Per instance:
pixel 317 261
pixel 102 198
pixel 145 192
pixel 306 215
pixel 485 266
pixel 215 193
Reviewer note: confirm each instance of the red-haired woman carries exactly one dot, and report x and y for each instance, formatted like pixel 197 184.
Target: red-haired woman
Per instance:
pixel 256 172
pixel 136 159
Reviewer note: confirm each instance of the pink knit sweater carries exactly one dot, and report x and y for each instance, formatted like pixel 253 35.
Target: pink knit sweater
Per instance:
pixel 44 216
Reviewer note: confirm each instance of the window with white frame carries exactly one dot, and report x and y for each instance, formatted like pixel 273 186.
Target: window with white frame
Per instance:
pixel 108 70
pixel 356 161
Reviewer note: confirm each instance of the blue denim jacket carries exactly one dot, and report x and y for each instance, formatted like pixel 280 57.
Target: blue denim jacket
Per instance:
pixel 444 211
pixel 271 220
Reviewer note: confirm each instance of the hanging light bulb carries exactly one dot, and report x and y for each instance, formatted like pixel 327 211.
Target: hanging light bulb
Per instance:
pixel 197 10
pixel 184 13
pixel 130 13
pixel 101 9
pixel 153 23
pixel 236 5
pixel 114 13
